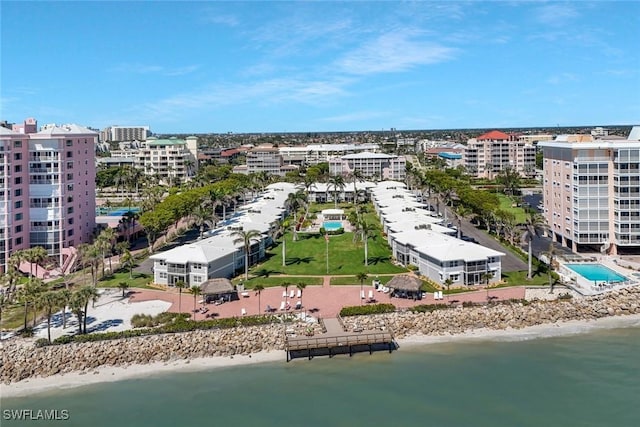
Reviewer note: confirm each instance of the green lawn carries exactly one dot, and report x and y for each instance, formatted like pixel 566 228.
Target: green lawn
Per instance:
pixel 519 278
pixel 308 255
pixel 272 281
pixel 506 204
pixel 139 280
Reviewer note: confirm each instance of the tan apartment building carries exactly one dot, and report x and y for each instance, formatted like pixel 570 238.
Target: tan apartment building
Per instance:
pixel 491 153
pixel 591 191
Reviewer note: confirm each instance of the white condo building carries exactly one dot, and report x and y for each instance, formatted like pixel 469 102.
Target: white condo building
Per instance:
pixel 218 255
pixel 419 239
pixel 371 165
pixel 591 192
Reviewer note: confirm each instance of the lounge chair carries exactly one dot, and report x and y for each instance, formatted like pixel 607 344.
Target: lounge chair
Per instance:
pixel 282 305
pixel 243 312
pixel 299 293
pixel 292 294
pixel 361 294
pixel 268 309
pixel 440 295
pixel 298 305
pixel 371 294
pixel 284 294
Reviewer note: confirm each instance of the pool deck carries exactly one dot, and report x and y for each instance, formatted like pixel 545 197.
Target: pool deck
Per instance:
pixel 590 287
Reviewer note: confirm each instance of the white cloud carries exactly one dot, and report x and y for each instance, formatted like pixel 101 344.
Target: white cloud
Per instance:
pixel 135 68
pixel 221 19
pixel 393 52
pixel 556 14
pixel 562 78
pixel 266 92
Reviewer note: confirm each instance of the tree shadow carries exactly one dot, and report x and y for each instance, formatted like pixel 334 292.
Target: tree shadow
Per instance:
pixel 377 259
pixel 264 272
pixel 298 260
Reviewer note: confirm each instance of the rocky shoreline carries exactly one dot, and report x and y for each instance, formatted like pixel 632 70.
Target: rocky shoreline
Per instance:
pixel 21 360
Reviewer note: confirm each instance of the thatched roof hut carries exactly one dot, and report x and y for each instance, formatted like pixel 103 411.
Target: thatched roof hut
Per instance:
pixel 405 282
pixel 218 287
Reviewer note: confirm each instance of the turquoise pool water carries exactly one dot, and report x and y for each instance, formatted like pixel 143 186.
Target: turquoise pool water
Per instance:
pixel 332 225
pixel 596 272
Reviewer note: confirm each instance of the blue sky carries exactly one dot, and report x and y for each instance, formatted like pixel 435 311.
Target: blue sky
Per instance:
pixel 196 67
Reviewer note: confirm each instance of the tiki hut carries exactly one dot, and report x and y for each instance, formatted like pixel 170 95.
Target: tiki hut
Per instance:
pixel 405 286
pixel 218 289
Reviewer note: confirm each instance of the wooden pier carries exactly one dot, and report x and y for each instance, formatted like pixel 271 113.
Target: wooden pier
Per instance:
pixel 335 340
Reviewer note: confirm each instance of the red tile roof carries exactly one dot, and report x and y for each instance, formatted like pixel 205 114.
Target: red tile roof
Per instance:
pixel 494 135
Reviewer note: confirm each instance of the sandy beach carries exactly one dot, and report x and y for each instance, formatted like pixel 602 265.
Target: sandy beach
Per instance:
pixel 110 373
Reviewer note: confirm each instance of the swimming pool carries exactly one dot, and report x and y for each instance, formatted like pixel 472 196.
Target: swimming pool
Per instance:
pixel 596 272
pixel 332 225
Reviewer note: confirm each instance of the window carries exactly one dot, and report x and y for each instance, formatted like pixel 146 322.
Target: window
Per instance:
pixel 17 144
pixel 18 241
pixel 18 204
pixel 17 156
pixel 70 233
pixel 69 143
pixel 18 229
pixel 69 154
pixel 17 168
pixel 17 180
pixel 163 274
pixel 17 192
pixel 70 221
pixel 18 217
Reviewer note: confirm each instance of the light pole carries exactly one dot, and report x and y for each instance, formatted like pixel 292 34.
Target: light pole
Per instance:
pixel 326 239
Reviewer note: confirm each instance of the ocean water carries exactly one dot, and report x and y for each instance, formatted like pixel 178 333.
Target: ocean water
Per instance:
pixel 589 379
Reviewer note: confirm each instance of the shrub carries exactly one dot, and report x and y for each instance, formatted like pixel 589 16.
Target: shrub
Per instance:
pixel 27 332
pixel 360 310
pixel 428 308
pixel 42 342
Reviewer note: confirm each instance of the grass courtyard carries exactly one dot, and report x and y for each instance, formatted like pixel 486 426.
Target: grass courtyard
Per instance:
pixel 308 255
pixel 508 204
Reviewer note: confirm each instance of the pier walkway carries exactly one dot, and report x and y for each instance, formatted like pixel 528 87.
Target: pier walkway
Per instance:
pixel 335 340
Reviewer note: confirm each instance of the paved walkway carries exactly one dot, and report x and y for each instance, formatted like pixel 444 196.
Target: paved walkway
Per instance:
pixel 318 301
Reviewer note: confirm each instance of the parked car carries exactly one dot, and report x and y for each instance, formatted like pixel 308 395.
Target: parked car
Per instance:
pixel 469 239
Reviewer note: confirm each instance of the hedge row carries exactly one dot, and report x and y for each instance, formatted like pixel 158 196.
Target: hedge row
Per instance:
pixel 179 325
pixel 361 310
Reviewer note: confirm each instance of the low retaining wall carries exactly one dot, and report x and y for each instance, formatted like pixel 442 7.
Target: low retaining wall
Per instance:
pixel 22 360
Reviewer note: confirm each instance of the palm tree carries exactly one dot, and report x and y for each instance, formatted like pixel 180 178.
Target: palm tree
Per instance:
pixel 337 183
pixel 362 277
pixel 180 285
pixel 510 180
pixel 124 286
pixel 534 226
pixel 551 255
pixel 105 241
pixel 259 288
pixel 28 295
pixel 448 283
pixel 201 218
pixel 195 291
pixel 301 286
pixel 293 203
pixel 76 303
pixel 34 256
pixel 128 261
pixel 49 300
pixel 87 294
pixel 365 230
pixel 65 298
pixel 246 238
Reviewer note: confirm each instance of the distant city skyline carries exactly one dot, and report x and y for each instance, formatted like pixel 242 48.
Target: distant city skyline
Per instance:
pixel 247 67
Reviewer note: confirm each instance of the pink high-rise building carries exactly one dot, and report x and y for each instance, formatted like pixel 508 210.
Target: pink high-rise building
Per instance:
pixel 47 188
